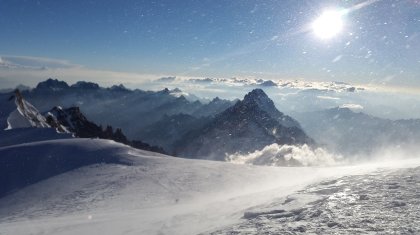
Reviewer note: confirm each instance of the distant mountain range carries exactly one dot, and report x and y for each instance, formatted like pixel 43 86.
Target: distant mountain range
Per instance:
pixel 130 110
pixel 166 118
pixel 187 127
pixel 171 129
pixel 356 133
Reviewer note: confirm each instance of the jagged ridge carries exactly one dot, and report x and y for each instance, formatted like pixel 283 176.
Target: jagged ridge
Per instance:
pixel 249 125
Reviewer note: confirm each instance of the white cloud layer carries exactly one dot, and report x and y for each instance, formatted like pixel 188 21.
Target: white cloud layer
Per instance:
pixel 31 62
pixel 355 107
pixel 290 95
pixel 30 70
pixel 284 155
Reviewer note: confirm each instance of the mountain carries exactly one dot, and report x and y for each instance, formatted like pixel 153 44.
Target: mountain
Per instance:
pixel 258 98
pixel 18 87
pixel 214 107
pixel 131 110
pixel 171 128
pixel 249 125
pixel 73 120
pixel 85 85
pixel 52 84
pixel 26 124
pixel 118 88
pixel 25 114
pixel 351 133
pixel 68 121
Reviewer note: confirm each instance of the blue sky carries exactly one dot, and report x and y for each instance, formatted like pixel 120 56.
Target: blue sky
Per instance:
pixel 379 43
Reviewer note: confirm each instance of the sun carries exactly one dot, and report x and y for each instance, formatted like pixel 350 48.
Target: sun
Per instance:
pixel 329 24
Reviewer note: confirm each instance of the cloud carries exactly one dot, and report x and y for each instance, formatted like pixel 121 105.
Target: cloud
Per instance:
pixel 166 79
pixel 286 155
pixel 356 107
pixel 296 84
pixel 290 95
pixel 36 63
pixel 30 70
pixel 322 97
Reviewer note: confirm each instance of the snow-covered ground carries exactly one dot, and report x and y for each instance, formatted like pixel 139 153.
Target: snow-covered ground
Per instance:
pixel 157 194
pixel 28 135
pixel 383 202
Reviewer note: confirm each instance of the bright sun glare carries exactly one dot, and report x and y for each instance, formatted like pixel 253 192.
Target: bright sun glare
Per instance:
pixel 328 24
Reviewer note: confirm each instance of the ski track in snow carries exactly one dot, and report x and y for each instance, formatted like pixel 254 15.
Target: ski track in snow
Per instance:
pixel 157 194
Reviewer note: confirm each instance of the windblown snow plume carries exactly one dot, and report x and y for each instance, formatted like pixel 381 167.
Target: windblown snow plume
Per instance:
pixel 286 155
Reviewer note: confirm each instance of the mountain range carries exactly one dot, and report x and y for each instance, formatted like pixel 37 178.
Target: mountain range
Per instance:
pixel 249 125
pixel 130 110
pixel 165 118
pixel 189 127
pixel 66 121
pixel 352 133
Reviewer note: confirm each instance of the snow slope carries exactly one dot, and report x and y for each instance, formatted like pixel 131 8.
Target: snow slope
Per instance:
pixel 25 115
pixel 383 202
pixel 141 192
pixel 28 135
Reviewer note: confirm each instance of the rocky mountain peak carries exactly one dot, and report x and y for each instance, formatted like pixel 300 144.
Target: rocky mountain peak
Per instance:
pixel 249 125
pixel 215 100
pixel 53 84
pixel 25 115
pixel 120 87
pixel 258 97
pixel 85 85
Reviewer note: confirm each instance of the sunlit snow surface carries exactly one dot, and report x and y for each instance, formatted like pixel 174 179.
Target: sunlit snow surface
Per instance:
pixel 383 202
pixel 157 194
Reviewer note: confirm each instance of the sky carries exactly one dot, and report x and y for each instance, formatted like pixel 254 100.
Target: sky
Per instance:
pixel 112 41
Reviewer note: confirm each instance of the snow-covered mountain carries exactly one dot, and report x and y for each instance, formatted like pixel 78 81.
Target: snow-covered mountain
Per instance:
pixel 73 120
pixel 356 133
pixel 249 125
pixel 24 124
pixel 25 115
